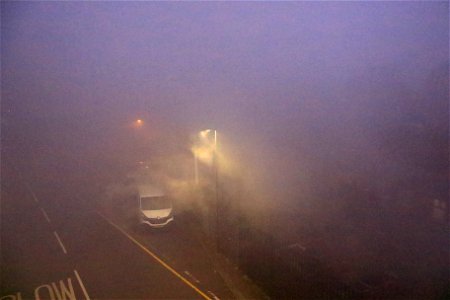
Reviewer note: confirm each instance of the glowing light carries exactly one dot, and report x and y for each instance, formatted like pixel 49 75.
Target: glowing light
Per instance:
pixel 204 154
pixel 204 133
pixel 138 123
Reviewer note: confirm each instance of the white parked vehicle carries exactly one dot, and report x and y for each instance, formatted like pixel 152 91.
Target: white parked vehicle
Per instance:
pixel 155 208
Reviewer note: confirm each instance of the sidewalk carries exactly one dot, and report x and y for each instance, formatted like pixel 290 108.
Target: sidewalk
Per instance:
pixel 240 284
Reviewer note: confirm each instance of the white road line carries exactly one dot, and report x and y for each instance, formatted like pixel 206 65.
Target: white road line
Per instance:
pixel 213 295
pixel 192 276
pixel 31 191
pixel 60 242
pixel 45 215
pixel 34 196
pixel 82 285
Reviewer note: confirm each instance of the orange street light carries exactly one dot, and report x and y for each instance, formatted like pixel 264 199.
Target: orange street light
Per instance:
pixel 138 123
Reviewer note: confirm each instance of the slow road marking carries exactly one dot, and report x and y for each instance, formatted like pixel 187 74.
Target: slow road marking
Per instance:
pixel 160 261
pixel 56 290
pixel 81 285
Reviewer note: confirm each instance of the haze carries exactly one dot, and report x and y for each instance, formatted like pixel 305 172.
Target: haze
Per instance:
pixel 331 116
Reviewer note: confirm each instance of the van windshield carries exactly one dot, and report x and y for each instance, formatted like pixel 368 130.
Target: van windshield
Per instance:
pixel 152 203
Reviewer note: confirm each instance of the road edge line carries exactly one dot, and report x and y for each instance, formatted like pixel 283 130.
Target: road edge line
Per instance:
pixel 187 282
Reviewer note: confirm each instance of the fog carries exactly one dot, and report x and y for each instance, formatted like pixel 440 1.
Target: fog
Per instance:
pixel 331 118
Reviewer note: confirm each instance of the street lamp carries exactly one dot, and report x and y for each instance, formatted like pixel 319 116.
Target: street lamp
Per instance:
pixel 138 123
pixel 206 150
pixel 204 133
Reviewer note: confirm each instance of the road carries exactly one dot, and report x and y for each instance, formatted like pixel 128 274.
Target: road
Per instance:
pixel 56 245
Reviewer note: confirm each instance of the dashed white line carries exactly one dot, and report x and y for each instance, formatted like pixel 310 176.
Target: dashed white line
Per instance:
pixel 81 285
pixel 213 295
pixel 191 276
pixel 34 196
pixel 45 215
pixel 60 242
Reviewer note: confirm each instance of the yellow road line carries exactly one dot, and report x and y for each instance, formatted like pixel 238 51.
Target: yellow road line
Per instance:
pixel 165 265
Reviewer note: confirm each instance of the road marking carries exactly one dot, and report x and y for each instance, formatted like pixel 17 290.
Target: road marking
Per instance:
pixel 34 197
pixel 60 242
pixel 26 185
pixel 56 290
pixel 48 287
pixel 157 258
pixel 32 193
pixel 45 215
pixel 82 285
pixel 213 295
pixel 191 276
pixel 17 296
pixel 64 290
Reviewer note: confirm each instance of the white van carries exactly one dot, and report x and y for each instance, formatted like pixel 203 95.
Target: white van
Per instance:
pixel 155 208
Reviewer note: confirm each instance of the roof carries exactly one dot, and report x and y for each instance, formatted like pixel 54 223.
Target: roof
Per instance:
pixel 150 191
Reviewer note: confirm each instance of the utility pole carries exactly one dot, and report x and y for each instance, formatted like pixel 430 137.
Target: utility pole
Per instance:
pixel 216 179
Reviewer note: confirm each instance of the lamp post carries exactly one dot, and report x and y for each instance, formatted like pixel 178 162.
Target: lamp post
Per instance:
pixel 195 169
pixel 206 142
pixel 217 190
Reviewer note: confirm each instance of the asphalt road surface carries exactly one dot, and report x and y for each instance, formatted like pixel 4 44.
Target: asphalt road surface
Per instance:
pixel 55 245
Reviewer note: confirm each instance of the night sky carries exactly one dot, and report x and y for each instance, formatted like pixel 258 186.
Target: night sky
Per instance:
pixel 212 62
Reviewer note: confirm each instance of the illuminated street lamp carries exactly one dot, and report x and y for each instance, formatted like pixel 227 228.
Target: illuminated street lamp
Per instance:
pixel 138 123
pixel 204 133
pixel 206 151
pixel 203 151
